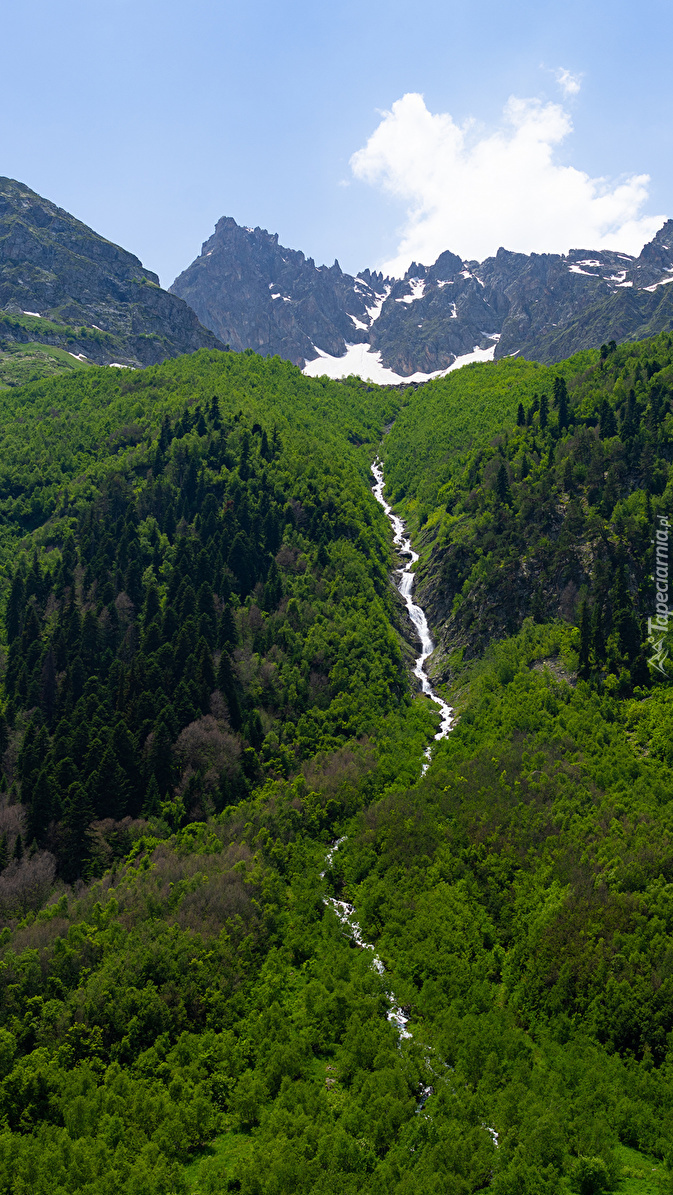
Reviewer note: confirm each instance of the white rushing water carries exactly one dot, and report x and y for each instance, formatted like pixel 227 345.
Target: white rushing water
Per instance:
pixel 346 914
pixel 343 909
pixel 405 585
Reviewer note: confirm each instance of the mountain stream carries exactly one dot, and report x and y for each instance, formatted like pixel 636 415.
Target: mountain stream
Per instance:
pixel 405 586
pixel 345 911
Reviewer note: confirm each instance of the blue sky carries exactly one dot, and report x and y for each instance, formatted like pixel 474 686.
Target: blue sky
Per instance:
pixel 149 119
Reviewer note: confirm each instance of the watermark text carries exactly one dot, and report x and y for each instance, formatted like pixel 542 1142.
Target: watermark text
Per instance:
pixel 657 624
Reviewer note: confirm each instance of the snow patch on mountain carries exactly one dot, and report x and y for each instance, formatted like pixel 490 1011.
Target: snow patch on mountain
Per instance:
pixel 375 310
pixel 359 360
pixel 661 282
pixel 417 291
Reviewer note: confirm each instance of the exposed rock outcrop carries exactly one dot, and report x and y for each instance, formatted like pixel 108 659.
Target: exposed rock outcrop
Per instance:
pixel 92 296
pixel 256 294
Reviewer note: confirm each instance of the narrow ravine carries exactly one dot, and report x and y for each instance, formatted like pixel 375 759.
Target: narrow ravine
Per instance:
pixel 405 586
pixel 345 911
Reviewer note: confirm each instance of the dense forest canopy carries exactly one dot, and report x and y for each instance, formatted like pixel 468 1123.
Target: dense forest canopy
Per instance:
pixel 206 682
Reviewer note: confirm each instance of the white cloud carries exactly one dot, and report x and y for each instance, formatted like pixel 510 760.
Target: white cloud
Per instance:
pixel 569 84
pixel 472 192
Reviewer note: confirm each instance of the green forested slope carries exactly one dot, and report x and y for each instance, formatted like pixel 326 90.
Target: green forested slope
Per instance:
pixel 60 437
pixel 202 634
pixel 204 686
pixel 554 514
pixel 521 897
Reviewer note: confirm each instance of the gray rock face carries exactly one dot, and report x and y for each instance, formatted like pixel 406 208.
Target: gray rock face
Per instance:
pixel 253 293
pixel 56 267
pixel 586 291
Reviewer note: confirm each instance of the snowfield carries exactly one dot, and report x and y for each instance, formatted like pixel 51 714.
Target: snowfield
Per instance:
pixel 362 362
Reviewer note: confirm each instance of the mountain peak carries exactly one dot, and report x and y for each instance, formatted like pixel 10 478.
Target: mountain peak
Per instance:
pixel 255 293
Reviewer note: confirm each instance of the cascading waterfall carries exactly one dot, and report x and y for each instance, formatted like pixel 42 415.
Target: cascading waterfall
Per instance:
pixel 405 586
pixel 345 911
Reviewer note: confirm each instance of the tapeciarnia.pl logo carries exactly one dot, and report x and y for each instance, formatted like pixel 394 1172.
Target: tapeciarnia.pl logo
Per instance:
pixel 657 625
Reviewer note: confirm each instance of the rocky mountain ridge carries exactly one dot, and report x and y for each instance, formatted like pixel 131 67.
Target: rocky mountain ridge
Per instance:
pixel 255 293
pixel 64 285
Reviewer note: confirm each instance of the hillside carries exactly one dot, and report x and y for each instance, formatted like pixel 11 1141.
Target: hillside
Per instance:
pixel 255 293
pixel 64 286
pixel 210 737
pixel 557 510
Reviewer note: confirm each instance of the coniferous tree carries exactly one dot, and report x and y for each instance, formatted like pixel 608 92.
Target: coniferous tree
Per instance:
pixel 630 417
pixel 109 789
pixel 240 562
pixel 66 572
pixel 502 485
pixel 561 402
pixel 4 736
pixel 184 710
pixel 273 588
pixel 215 413
pixel 15 607
pixel 253 730
pixel 205 674
pixel 34 580
pixel 186 601
pixel 31 629
pixel 78 814
pixel 41 807
pixel 152 803
pixel 226 683
pixel 160 759
pixel 90 640
pixel 72 626
pixel 206 610
pixel 133 582
pixel 607 421
pixel 48 687
pixel 624 622
pixel 151 637
pixel 151 605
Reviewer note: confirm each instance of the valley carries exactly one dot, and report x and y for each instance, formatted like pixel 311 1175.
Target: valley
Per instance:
pixel 336 783
pixel 209 682
pixel 336 632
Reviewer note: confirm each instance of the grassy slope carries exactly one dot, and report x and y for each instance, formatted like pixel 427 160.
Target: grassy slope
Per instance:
pixel 446 417
pixel 24 363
